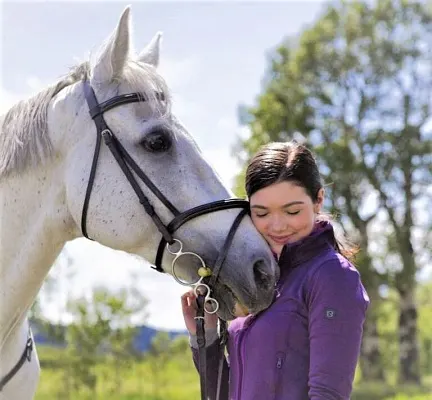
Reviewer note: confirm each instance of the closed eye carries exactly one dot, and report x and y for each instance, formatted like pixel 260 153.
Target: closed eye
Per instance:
pixel 287 212
pixel 260 215
pixel 292 212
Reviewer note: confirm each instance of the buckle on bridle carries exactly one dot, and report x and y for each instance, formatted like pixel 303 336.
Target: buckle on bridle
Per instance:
pixel 29 348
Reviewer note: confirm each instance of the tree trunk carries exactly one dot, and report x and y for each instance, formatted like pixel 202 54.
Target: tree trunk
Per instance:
pixel 409 360
pixel 371 363
pixel 409 366
pixel 370 355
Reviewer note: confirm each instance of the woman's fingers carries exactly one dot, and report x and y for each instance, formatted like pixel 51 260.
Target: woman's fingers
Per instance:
pixel 189 308
pixel 188 300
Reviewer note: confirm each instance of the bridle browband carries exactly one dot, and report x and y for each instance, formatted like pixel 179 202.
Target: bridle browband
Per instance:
pixel 128 166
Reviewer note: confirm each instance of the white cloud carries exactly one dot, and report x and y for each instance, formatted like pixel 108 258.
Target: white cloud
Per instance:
pixel 35 84
pixel 8 98
pixel 232 130
pixel 225 166
pixel 179 72
pixel 221 157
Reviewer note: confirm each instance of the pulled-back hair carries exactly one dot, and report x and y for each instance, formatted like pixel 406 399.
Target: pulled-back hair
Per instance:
pixel 279 162
pixel 290 162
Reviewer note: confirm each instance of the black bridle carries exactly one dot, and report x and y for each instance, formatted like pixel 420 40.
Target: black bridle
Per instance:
pixel 126 163
pixel 128 166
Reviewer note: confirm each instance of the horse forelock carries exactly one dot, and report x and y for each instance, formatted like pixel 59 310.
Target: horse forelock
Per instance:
pixel 24 138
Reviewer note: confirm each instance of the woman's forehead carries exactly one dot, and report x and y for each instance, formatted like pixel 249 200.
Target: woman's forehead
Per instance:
pixel 280 194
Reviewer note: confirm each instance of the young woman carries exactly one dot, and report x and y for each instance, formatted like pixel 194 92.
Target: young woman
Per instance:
pixel 306 345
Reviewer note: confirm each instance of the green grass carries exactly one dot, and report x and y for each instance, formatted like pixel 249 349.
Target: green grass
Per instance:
pixel 175 380
pixel 382 391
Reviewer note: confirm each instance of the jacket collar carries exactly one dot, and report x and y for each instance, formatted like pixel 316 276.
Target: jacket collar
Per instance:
pixel 321 238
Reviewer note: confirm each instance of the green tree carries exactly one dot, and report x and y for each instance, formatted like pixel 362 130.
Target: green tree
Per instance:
pixel 158 357
pixel 57 280
pixel 425 326
pixel 357 86
pixel 102 328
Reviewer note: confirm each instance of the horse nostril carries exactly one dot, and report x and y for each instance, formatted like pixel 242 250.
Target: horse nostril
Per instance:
pixel 263 278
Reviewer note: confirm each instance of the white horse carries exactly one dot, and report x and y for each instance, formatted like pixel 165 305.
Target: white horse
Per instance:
pixel 46 151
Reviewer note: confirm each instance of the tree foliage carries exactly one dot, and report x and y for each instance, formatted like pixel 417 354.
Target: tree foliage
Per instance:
pixel 356 86
pixel 102 328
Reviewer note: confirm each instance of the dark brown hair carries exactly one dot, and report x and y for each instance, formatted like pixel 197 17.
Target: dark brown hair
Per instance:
pixel 278 162
pixel 292 162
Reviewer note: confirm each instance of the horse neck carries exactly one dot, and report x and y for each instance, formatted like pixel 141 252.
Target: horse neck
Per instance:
pixel 35 226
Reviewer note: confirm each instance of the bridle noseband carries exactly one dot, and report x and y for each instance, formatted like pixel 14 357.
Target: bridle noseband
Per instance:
pixel 208 278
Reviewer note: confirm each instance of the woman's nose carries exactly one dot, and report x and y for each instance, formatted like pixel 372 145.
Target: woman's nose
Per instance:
pixel 278 224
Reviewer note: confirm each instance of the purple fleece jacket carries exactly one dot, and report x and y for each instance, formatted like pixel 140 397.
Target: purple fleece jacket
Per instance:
pixel 305 346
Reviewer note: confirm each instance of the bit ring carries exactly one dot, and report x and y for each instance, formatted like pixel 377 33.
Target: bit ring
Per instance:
pixel 211 305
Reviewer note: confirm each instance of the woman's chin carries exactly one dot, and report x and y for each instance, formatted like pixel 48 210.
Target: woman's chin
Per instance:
pixel 276 248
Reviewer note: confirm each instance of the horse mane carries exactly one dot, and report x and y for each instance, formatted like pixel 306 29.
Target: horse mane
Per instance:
pixel 24 138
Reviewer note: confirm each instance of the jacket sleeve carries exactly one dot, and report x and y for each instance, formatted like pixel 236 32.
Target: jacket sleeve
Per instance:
pixel 337 303
pixel 213 356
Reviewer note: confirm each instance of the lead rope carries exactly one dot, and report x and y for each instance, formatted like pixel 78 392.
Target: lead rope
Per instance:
pixel 202 298
pixel 223 339
pixel 202 361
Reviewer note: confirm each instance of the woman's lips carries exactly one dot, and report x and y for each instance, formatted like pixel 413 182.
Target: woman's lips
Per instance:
pixel 280 239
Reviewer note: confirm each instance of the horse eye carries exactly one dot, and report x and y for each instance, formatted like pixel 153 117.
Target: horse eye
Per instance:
pixel 157 141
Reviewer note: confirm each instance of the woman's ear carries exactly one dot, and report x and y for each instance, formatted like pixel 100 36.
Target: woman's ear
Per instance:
pixel 320 201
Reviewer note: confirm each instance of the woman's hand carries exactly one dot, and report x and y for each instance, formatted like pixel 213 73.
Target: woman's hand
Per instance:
pixel 189 308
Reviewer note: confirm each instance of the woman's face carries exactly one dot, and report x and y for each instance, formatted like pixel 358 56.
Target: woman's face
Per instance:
pixel 284 213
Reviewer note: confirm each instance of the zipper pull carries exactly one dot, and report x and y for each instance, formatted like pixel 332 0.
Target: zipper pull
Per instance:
pixel 280 360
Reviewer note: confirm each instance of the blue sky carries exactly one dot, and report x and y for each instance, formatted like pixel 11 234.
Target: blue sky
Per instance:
pixel 213 57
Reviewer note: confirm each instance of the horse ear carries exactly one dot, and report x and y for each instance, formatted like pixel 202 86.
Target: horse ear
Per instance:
pixel 151 53
pixel 114 53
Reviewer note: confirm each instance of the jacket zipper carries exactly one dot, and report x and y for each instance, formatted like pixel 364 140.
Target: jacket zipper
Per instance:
pixel 239 364
pixel 279 364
